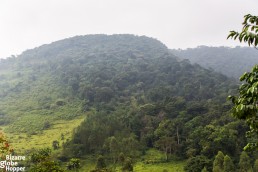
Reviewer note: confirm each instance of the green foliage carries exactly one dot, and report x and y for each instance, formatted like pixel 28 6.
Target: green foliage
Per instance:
pixel 249 31
pixel 204 169
pixel 101 163
pixel 134 94
pixel 60 102
pixel 245 105
pixel 74 163
pixel 128 165
pixel 113 147
pixel 244 162
pixel 166 141
pixel 55 144
pixel 255 167
pixel 121 158
pixel 46 166
pixel 196 164
pixel 41 161
pixel 228 164
pixel 46 125
pixel 218 162
pixel 232 62
pixel 209 139
pixel 40 155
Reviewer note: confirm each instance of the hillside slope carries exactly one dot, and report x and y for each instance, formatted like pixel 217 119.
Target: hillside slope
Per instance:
pixel 132 92
pixel 232 62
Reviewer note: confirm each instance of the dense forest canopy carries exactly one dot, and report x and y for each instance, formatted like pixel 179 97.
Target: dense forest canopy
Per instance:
pixel 135 96
pixel 232 62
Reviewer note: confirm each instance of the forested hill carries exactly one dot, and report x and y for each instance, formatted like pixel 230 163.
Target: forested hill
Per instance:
pixel 100 46
pixel 232 62
pixel 133 93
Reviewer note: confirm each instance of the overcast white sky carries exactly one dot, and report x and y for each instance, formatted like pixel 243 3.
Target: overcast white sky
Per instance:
pixel 25 24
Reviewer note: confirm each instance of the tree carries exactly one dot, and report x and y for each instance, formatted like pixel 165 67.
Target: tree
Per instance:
pixel 41 161
pixel 166 141
pixel 131 146
pixel 121 158
pixel 244 162
pixel 228 164
pixel 255 168
pixel 166 144
pixel 196 164
pixel 74 163
pixel 40 156
pixel 218 162
pixel 114 148
pixel 204 169
pixel 249 31
pixel 128 165
pixel 246 104
pixel 46 166
pixel 101 163
pixel 55 144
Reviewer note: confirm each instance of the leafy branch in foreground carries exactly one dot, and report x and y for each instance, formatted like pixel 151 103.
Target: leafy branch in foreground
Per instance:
pixel 249 31
pixel 246 104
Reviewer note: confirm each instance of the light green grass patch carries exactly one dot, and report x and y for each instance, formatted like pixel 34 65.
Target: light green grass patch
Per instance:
pixel 174 166
pixel 152 155
pixel 23 142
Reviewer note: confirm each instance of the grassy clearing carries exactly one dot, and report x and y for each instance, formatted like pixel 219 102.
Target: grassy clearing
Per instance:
pixel 174 166
pixel 23 142
pixel 159 164
pixel 152 155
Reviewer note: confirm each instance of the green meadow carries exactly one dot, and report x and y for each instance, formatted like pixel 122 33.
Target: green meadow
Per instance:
pixel 22 141
pixel 153 156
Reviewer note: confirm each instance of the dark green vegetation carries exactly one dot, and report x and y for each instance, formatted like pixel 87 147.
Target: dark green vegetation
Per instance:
pixel 232 62
pixel 245 105
pixel 136 98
